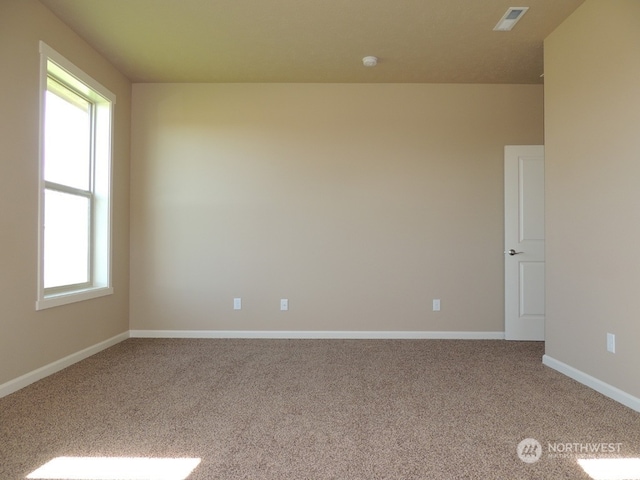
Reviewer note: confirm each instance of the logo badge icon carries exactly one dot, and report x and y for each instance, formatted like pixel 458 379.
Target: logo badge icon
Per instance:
pixel 529 450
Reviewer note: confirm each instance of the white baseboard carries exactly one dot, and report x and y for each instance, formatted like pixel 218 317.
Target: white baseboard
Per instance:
pixel 309 334
pixel 592 382
pixel 17 383
pixel 42 372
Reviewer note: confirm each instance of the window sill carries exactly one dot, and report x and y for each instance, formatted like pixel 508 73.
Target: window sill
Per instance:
pixel 51 301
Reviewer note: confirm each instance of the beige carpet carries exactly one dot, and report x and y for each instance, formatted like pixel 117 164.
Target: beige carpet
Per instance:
pixel 315 409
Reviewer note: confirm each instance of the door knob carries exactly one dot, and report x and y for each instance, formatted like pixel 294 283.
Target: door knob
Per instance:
pixel 512 252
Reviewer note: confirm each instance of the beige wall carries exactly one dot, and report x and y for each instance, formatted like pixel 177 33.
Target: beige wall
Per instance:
pixel 592 125
pixel 358 203
pixel 30 339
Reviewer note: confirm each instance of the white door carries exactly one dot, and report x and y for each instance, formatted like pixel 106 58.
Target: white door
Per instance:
pixel 524 242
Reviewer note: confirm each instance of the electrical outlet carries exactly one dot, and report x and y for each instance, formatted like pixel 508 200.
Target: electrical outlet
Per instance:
pixel 611 343
pixel 436 304
pixel 237 304
pixel 284 304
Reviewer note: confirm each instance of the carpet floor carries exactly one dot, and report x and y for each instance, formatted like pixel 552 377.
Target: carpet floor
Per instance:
pixel 318 409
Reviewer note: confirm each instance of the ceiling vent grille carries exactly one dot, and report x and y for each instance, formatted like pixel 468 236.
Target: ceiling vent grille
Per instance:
pixel 509 19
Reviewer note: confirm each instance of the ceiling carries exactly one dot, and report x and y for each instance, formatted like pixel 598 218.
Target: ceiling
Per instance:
pixel 429 41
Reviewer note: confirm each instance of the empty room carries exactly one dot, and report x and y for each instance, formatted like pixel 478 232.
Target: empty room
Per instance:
pixel 331 240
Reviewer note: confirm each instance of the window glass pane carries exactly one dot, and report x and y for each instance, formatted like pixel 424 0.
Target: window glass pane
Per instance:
pixel 67 140
pixel 66 239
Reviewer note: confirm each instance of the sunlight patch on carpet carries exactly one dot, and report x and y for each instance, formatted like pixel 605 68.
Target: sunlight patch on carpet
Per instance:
pixel 116 468
pixel 611 468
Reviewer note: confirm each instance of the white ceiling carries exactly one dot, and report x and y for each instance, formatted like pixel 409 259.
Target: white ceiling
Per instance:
pixel 431 41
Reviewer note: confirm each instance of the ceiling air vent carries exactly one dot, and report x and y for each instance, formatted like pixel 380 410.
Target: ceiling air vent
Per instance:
pixel 510 18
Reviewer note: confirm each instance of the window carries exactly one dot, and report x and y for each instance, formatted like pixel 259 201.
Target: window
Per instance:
pixel 75 184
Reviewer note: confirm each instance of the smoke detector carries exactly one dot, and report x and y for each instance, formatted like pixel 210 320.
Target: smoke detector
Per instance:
pixel 370 61
pixel 509 19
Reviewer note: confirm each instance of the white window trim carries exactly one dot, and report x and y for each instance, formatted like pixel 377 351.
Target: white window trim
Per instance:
pixel 102 275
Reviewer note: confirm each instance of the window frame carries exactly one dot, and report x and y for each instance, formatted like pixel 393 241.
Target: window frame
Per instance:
pixel 66 92
pixel 54 65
